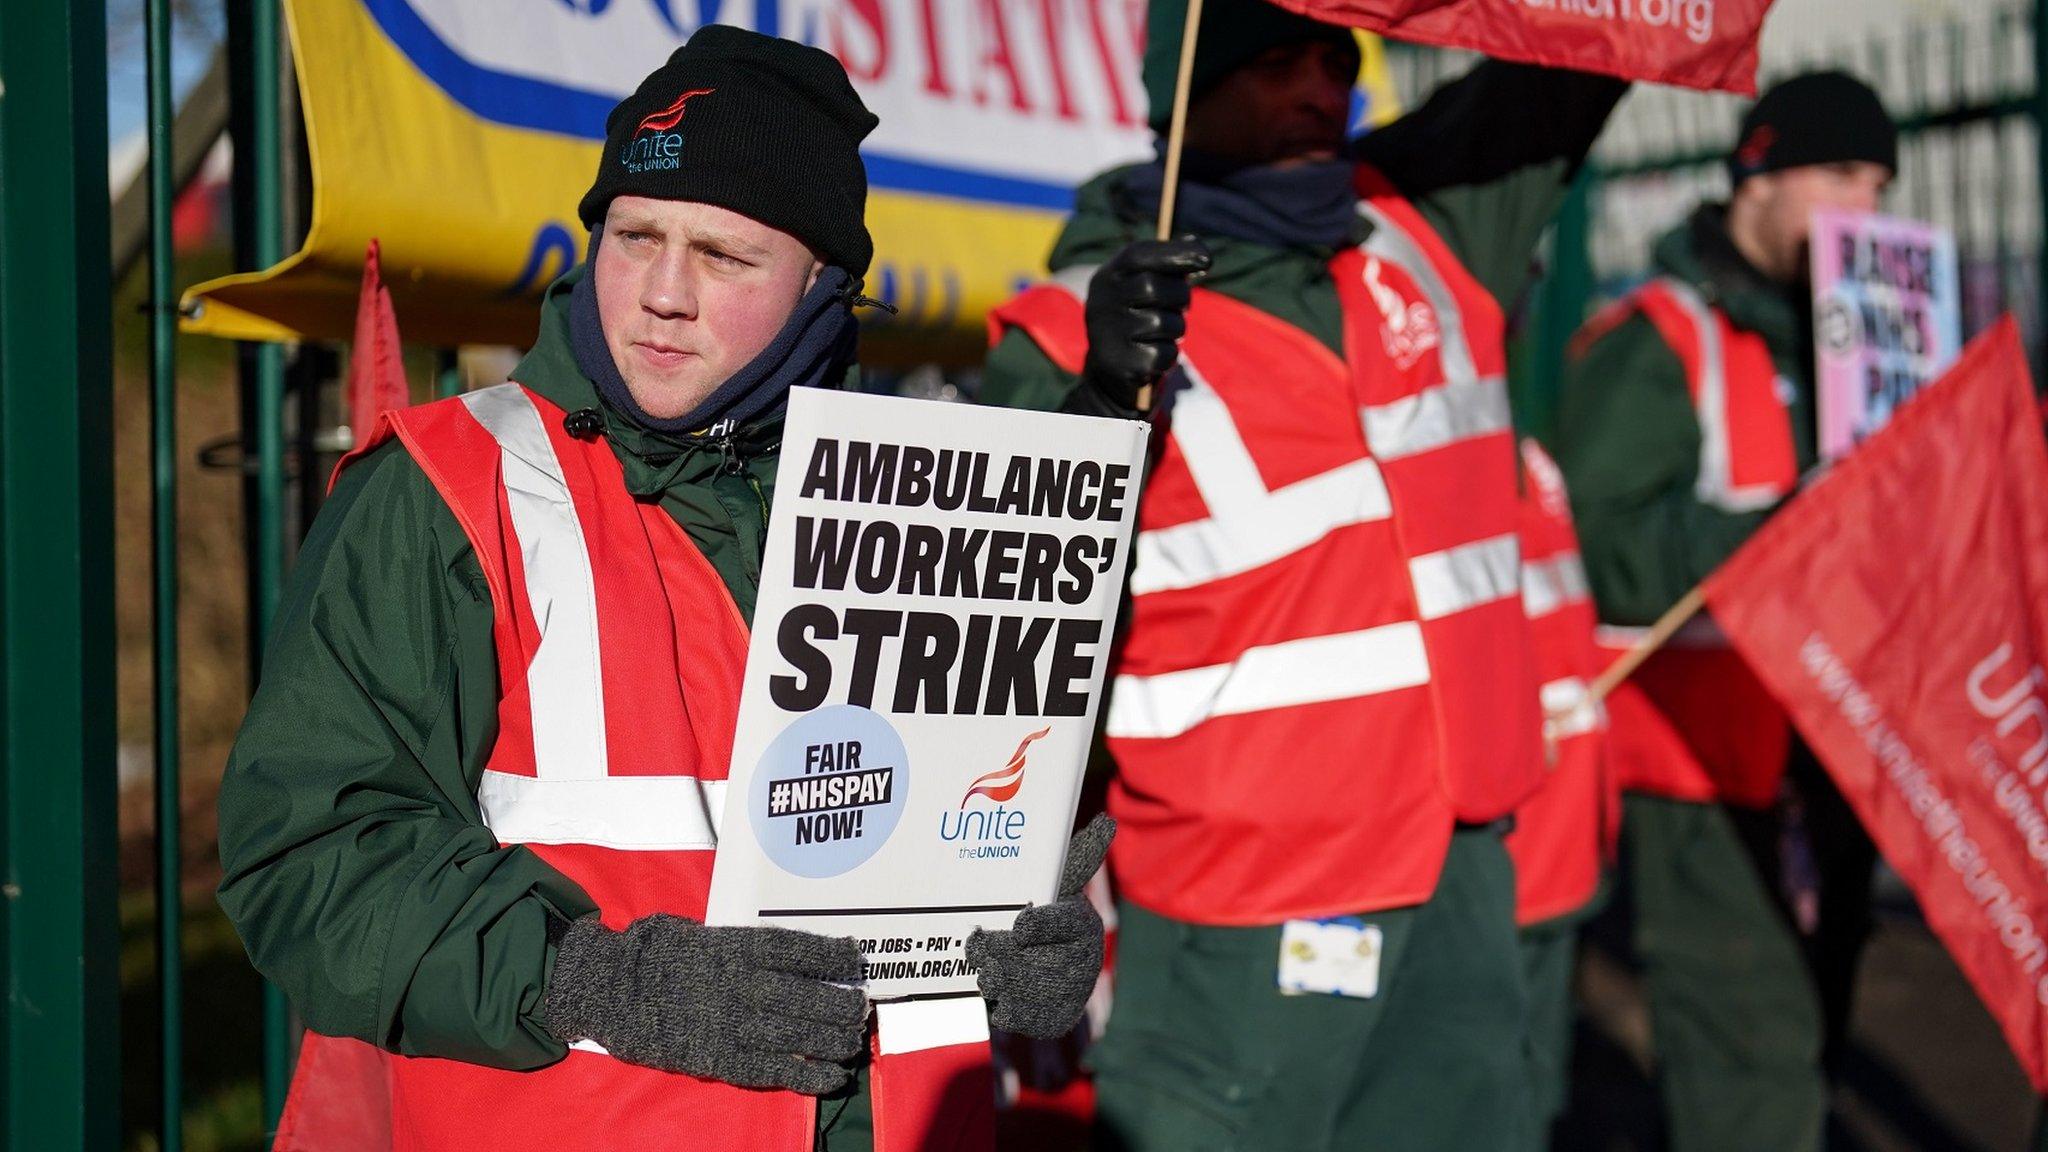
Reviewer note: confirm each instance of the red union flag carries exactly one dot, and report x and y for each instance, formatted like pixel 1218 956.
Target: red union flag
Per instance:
pixel 1899 610
pixel 1695 43
pixel 376 361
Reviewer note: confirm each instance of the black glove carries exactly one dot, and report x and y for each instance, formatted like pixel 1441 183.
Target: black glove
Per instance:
pixel 1136 313
pixel 1038 975
pixel 750 1006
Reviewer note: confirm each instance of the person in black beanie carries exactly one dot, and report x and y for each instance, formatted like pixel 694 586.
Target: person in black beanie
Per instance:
pixel 1687 414
pixel 469 821
pixel 1820 140
pixel 726 234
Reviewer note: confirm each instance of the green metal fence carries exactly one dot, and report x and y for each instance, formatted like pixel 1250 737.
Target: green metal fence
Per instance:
pixel 1964 89
pixel 163 449
pixel 56 589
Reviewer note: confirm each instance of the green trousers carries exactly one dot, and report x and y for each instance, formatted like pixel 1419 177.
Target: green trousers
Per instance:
pixel 846 1119
pixel 1743 1006
pixel 1204 1052
pixel 1550 950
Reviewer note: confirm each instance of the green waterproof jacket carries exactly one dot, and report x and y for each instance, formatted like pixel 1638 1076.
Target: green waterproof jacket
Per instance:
pixel 1628 439
pixel 1486 160
pixel 357 869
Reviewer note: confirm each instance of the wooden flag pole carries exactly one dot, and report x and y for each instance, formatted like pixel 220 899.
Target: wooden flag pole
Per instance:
pixel 1667 625
pixel 1176 134
pixel 1674 618
pixel 1177 128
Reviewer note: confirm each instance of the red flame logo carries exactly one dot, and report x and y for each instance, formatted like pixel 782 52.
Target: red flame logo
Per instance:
pixel 1003 783
pixel 1757 148
pixel 672 115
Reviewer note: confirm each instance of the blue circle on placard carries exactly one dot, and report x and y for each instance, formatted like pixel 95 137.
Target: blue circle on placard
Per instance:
pixel 828 791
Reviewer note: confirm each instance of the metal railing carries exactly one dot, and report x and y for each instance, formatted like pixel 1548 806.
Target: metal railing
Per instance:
pixel 59 1036
pixel 163 473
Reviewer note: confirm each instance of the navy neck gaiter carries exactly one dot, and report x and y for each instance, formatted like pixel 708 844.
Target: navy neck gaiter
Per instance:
pixel 813 350
pixel 1311 205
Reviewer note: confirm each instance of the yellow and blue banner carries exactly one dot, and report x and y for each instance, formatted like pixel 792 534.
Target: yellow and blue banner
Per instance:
pixel 460 134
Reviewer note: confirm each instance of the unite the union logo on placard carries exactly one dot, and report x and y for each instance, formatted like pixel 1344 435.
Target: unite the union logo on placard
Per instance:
pixel 991 833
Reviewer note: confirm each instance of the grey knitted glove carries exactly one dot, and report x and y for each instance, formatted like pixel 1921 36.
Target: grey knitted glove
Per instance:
pixel 1038 975
pixel 750 1006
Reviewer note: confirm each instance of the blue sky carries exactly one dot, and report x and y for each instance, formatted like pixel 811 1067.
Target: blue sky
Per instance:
pixel 198 25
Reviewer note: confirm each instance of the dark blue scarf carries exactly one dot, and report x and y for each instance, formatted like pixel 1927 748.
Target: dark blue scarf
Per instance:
pixel 813 350
pixel 1310 205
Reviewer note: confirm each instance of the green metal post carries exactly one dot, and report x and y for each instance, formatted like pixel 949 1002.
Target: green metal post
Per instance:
pixel 447 374
pixel 163 463
pixel 57 837
pixel 268 249
pixel 270 478
pixel 255 45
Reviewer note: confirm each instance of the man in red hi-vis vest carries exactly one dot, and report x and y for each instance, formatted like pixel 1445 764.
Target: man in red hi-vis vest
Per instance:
pixel 469 823
pixel 1325 704
pixel 1688 415
pixel 1564 834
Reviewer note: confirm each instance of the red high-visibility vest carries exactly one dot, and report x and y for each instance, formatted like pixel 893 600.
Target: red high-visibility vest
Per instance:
pixel 1731 736
pixel 620 657
pixel 1563 832
pixel 1327 665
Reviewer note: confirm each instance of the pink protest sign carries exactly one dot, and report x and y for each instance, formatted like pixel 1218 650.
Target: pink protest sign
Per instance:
pixel 1886 315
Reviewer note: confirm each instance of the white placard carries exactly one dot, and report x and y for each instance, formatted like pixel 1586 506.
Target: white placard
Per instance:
pixel 1887 319
pixel 937 601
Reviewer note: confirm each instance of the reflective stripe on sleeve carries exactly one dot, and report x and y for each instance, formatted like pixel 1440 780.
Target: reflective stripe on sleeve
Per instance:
pixel 1310 671
pixel 629 813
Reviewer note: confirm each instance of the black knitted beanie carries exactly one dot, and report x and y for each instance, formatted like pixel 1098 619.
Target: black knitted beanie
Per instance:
pixel 768 128
pixel 1815 118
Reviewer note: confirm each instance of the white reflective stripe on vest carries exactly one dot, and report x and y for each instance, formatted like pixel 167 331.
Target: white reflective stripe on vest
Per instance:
pixel 1390 242
pixel 1248 525
pixel 1698 632
pixel 1548 585
pixel 1073 280
pixel 1448 413
pixel 1466 405
pixel 1310 671
pixel 1716 485
pixel 564 682
pixel 1569 709
pixel 1467 576
pixel 629 813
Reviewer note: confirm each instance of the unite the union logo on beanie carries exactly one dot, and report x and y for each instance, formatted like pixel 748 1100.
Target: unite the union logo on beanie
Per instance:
pixel 654 145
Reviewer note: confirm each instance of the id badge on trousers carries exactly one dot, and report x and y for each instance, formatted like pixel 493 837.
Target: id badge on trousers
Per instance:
pixel 1335 957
